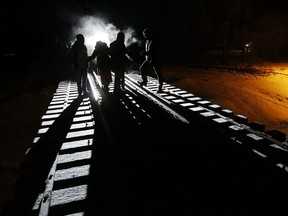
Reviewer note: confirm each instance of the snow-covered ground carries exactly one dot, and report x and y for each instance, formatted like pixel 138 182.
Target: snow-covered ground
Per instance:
pixel 261 96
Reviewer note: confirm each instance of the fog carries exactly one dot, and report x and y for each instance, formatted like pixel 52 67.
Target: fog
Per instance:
pixel 99 29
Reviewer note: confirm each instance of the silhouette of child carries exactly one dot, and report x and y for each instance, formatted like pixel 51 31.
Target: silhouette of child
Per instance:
pixel 103 62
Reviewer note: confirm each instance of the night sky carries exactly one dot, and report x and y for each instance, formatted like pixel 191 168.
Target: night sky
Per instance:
pixel 29 24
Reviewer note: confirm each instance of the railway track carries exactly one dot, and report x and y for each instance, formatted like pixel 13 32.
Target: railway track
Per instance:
pixel 144 153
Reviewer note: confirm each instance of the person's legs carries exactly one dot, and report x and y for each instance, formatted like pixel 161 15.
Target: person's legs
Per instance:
pixel 158 73
pixel 78 80
pixel 105 76
pixel 84 82
pixel 143 72
pixel 122 78
pixel 116 81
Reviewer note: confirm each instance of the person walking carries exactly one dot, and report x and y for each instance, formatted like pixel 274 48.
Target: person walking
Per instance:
pixel 103 62
pixel 78 56
pixel 119 61
pixel 151 59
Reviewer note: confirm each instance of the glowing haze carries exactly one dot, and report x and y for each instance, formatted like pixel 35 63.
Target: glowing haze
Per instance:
pixel 98 29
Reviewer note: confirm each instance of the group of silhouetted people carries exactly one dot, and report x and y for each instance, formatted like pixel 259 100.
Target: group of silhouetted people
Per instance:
pixel 114 58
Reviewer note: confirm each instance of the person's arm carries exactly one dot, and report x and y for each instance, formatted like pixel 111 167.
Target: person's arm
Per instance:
pixel 93 56
pixel 149 49
pixel 127 53
pixel 71 52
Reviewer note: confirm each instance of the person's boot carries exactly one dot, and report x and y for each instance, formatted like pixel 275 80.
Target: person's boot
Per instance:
pixel 143 83
pixel 159 88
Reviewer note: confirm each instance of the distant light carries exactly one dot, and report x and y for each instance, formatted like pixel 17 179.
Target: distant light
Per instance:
pixel 100 36
pixel 90 41
pixel 248 47
pixel 98 29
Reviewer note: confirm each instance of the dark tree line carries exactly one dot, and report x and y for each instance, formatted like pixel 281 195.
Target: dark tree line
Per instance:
pixel 190 30
pixel 241 30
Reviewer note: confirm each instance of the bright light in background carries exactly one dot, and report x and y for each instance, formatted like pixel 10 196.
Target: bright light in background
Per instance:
pixel 98 29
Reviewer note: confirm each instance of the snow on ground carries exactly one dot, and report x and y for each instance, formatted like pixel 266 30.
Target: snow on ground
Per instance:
pixel 20 119
pixel 260 96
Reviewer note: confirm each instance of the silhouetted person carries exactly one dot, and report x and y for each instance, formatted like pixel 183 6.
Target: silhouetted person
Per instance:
pixel 151 59
pixel 78 55
pixel 119 61
pixel 103 62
